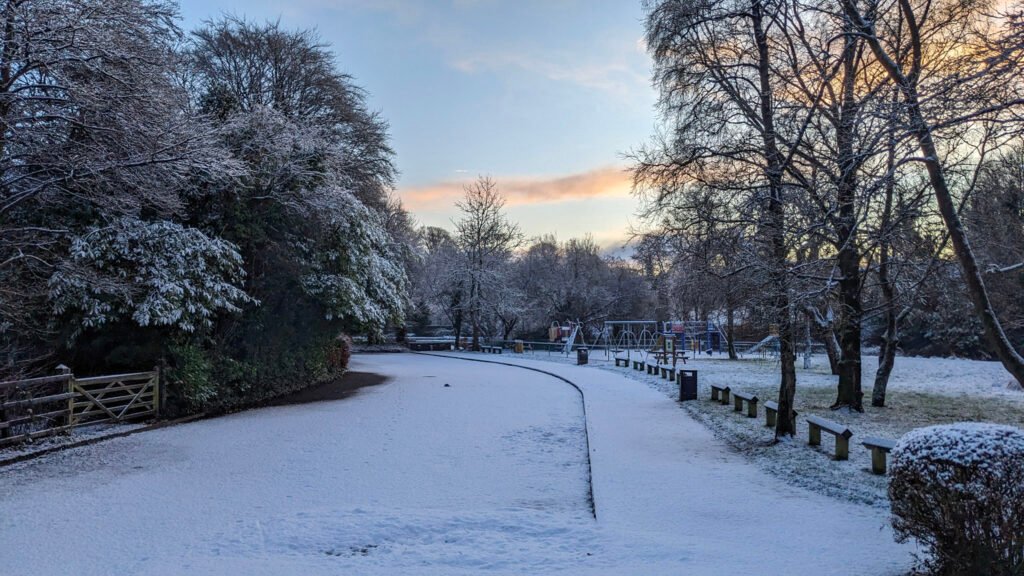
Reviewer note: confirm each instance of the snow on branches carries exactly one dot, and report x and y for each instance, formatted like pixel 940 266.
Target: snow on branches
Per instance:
pixel 155 273
pixel 356 272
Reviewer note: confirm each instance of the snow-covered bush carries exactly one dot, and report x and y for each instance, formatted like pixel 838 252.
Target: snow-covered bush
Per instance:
pixel 155 273
pixel 354 271
pixel 959 490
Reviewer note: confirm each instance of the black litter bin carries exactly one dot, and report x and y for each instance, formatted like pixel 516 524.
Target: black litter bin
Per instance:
pixel 687 385
pixel 582 356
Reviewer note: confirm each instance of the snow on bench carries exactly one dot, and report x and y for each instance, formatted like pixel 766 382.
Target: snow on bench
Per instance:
pixel 624 362
pixel 720 393
pixel 750 399
pixel 816 424
pixel 771 410
pixel 879 447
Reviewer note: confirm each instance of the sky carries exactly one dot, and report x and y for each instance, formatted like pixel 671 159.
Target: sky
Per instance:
pixel 544 96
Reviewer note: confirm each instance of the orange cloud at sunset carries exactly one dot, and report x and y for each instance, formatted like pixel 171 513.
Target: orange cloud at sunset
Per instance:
pixel 602 182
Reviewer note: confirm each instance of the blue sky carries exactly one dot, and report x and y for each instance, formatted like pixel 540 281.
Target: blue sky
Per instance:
pixel 543 95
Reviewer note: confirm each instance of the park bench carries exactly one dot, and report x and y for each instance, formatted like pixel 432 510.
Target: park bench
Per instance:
pixel 652 369
pixel 751 400
pixel 771 410
pixel 816 424
pixel 880 448
pixel 491 349
pixel 638 365
pixel 624 362
pixel 720 393
pixel 665 357
pixel 668 373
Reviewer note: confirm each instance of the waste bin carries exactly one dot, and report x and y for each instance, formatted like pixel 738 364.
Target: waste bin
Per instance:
pixel 582 356
pixel 687 384
pixel 518 346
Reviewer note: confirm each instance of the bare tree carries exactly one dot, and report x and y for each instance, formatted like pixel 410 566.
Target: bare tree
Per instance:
pixel 962 66
pixel 487 239
pixel 714 64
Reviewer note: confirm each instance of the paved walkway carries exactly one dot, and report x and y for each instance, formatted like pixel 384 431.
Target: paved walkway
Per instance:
pixel 657 471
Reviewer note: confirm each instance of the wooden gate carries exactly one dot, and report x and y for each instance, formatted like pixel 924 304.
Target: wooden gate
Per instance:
pixel 39 407
pixel 117 398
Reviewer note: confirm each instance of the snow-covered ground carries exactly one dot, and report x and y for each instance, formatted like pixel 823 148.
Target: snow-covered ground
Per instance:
pixel 921 392
pixel 79 434
pixel 488 475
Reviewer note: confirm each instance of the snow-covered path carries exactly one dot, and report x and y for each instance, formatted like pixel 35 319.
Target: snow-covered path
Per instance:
pixel 487 475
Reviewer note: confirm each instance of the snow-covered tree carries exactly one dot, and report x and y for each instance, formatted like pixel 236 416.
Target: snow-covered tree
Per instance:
pixel 156 274
pixel 324 245
pixel 487 239
pixel 93 127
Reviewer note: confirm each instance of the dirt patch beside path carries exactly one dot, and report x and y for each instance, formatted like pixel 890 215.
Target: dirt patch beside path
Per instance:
pixel 348 385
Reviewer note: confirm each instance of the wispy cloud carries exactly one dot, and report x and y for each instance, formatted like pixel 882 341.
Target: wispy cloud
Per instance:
pixel 620 77
pixel 602 182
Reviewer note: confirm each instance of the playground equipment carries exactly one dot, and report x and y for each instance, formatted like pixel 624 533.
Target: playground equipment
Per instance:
pixel 642 336
pixel 569 333
pixel 767 341
pixel 698 336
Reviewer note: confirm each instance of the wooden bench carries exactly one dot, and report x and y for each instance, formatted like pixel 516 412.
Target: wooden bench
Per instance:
pixel 720 393
pixel 739 398
pixel 665 357
pixel 668 373
pixel 638 365
pixel 816 424
pixel 624 362
pixel 880 448
pixel 771 410
pixel 652 369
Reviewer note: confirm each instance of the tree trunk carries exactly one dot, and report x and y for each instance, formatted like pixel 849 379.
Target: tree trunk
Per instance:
pixel 886 357
pixel 832 350
pixel 849 393
pixel 994 334
pixel 730 330
pixel 474 315
pixel 785 422
pixel 891 336
pixel 457 326
pixel 509 326
pixel 828 337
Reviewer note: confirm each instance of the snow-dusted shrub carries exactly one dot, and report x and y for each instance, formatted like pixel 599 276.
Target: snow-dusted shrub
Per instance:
pixel 959 490
pixel 155 273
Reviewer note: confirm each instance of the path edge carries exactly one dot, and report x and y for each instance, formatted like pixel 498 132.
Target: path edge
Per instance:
pixel 583 402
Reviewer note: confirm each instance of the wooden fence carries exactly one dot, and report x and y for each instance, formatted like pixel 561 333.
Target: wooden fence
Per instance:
pixel 39 407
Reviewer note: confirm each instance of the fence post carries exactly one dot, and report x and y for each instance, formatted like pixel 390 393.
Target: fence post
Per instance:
pixel 64 370
pixel 5 432
pixel 158 390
